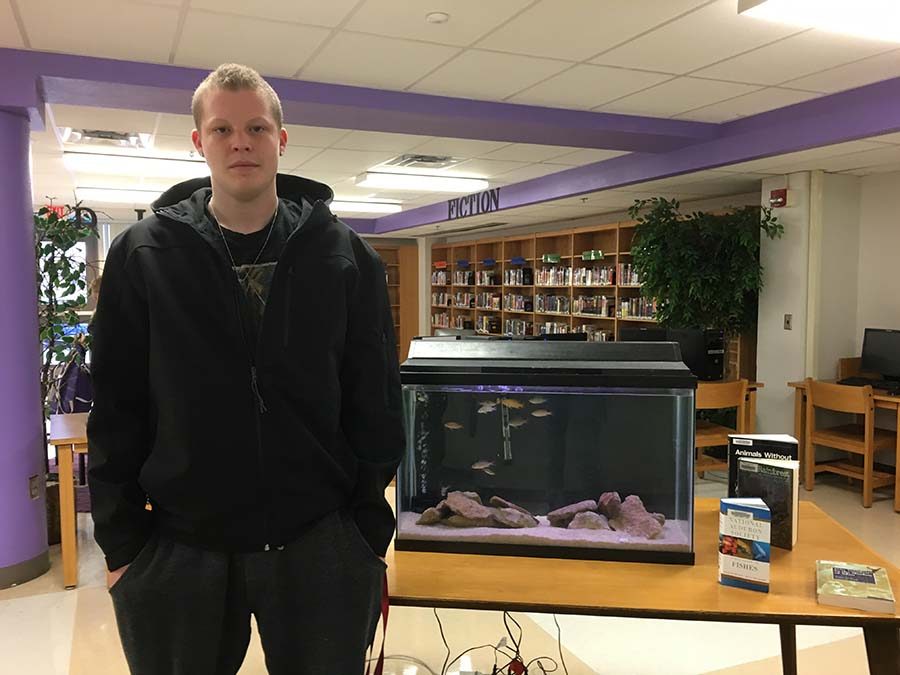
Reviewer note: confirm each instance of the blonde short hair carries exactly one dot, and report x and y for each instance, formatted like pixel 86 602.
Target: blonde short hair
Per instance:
pixel 235 77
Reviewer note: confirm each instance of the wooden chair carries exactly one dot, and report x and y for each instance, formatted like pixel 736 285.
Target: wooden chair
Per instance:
pixel 712 396
pixel 858 438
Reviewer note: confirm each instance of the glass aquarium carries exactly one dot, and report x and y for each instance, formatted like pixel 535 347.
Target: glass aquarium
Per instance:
pixel 551 449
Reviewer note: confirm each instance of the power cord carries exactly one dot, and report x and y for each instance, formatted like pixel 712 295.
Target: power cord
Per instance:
pixel 559 645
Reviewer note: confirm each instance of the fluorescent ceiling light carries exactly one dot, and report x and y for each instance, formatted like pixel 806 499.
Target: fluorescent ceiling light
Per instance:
pixel 420 182
pixel 342 206
pixel 872 19
pixel 108 164
pixel 116 195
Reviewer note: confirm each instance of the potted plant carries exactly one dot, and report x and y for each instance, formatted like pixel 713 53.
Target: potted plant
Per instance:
pixel 702 268
pixel 62 291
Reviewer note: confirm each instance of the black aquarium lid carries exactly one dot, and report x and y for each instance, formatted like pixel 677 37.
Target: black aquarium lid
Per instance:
pixel 539 363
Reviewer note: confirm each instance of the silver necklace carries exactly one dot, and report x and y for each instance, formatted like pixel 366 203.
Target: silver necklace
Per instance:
pixel 265 243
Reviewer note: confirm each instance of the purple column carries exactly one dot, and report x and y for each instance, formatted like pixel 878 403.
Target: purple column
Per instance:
pixel 23 521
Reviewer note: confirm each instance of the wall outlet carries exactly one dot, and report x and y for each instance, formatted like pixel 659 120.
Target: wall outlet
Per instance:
pixel 788 321
pixel 34 487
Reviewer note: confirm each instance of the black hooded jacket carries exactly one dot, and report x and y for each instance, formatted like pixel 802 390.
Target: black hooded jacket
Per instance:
pixel 238 449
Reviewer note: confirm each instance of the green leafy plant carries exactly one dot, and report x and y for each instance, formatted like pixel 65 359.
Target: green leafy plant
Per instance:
pixel 702 268
pixel 61 287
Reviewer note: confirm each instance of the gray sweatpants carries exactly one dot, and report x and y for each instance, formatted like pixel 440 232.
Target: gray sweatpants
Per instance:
pixel 185 611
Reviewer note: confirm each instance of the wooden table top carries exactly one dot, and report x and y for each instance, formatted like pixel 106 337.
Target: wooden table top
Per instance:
pixel 875 394
pixel 68 429
pixel 642 589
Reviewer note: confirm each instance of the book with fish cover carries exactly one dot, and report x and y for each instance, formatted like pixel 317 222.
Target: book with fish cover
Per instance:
pixel 744 536
pixel 865 587
pixel 763 446
pixel 777 483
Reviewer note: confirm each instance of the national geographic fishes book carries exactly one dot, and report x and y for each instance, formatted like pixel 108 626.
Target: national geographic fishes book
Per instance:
pixel 745 527
pixel 864 587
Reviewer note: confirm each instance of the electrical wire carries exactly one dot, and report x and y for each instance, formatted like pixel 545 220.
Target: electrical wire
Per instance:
pixel 537 660
pixel 559 645
pixel 444 638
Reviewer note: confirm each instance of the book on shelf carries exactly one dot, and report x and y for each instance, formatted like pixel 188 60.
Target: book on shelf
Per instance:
pixel 854 586
pixel 761 446
pixel 744 544
pixel 777 483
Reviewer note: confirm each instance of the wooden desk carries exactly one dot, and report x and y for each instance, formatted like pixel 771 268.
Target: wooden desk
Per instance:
pixel 750 422
pixel 68 434
pixel 882 400
pixel 659 591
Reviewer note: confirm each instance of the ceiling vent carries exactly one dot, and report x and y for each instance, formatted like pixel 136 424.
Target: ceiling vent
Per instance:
pixel 107 139
pixel 412 161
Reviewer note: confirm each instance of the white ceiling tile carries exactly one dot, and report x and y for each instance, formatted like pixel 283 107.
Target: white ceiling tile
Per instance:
pixel 106 119
pixel 295 155
pixel 578 29
pixel 749 104
pixel 774 164
pixel 329 179
pixel 272 48
pixel 678 48
pixel 174 125
pixel 173 144
pixel 881 168
pixel 586 86
pixel 379 141
pixel 887 138
pixel 528 172
pixel 373 61
pixel 458 147
pixel 45 142
pixel 486 168
pixel 344 162
pixel 314 12
pixel 9 31
pixel 100 28
pixel 852 75
pixel 677 96
pixel 885 155
pixel 313 137
pixel 529 152
pixel 469 19
pixel 794 57
pixel 487 75
pixel 586 156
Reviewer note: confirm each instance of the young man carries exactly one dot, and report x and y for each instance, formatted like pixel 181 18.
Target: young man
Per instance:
pixel 247 413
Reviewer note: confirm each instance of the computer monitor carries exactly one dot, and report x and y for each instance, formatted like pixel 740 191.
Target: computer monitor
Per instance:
pixel 643 334
pixel 702 351
pixel 881 353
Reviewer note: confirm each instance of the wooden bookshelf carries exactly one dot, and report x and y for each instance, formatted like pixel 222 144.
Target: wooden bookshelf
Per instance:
pixel 401 272
pixel 581 283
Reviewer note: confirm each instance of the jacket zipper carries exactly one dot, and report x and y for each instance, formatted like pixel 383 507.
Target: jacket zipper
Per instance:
pixel 259 407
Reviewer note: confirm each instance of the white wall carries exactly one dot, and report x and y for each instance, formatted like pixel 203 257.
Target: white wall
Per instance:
pixel 878 290
pixel 781 354
pixel 836 333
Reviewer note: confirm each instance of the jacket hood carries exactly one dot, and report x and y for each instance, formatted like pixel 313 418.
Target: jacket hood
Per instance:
pixel 291 188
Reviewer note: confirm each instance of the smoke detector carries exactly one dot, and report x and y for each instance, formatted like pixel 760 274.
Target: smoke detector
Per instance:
pixel 107 139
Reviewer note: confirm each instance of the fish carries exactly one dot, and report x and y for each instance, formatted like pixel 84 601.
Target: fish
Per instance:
pixel 453 426
pixel 483 465
pixel 541 413
pixel 537 400
pixel 487 407
pixel 489 472
pixel 444 490
pixel 512 403
pixel 517 422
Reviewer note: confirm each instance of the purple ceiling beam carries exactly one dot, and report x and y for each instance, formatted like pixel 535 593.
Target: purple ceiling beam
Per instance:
pixel 851 115
pixel 82 80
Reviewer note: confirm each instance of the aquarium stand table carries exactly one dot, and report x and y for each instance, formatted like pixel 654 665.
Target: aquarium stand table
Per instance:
pixel 653 591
